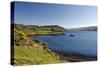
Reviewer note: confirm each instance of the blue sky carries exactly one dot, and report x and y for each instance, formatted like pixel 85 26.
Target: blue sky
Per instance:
pixel 68 16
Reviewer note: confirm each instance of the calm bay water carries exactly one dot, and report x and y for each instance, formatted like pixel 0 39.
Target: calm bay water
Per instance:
pixel 83 42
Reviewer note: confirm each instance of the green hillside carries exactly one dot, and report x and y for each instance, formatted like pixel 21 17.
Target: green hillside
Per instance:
pixel 28 51
pixel 34 30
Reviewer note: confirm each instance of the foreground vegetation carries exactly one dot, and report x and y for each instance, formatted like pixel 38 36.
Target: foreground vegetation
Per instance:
pixel 24 56
pixel 28 51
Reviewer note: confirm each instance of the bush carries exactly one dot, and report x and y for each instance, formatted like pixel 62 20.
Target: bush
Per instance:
pixel 36 41
pixel 44 46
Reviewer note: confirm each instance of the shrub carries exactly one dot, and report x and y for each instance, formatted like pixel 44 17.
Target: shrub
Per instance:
pixel 36 41
pixel 44 44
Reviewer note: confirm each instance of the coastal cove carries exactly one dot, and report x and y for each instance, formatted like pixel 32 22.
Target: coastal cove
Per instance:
pixel 83 42
pixel 53 44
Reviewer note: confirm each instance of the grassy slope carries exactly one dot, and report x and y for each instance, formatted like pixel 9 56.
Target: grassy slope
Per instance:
pixel 34 54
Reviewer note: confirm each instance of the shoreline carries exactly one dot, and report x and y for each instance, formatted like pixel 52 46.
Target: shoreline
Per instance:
pixel 70 57
pixel 74 57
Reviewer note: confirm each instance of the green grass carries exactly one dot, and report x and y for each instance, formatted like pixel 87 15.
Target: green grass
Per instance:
pixel 30 55
pixel 34 53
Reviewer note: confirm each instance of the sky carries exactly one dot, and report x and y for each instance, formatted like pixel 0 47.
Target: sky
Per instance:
pixel 67 16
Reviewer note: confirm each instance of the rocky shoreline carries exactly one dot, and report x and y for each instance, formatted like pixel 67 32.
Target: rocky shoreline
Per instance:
pixel 74 57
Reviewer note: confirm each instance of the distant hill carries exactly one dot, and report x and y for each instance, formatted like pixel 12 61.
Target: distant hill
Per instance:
pixel 35 29
pixel 89 28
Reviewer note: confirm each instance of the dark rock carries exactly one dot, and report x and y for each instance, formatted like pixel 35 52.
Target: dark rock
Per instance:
pixel 71 35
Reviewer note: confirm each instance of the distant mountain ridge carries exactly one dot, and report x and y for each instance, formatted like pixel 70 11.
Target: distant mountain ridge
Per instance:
pixel 89 28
